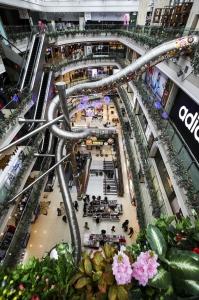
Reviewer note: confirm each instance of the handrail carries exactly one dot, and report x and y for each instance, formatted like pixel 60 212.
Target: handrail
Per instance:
pixel 36 61
pixel 2 37
pixel 25 55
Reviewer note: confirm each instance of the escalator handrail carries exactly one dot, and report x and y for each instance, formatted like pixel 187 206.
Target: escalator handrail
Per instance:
pixel 46 94
pixel 36 61
pixel 25 68
pixel 25 55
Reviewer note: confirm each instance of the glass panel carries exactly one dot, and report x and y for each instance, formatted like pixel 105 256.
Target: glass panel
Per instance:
pixel 170 130
pixel 194 174
pixel 185 157
pixel 177 142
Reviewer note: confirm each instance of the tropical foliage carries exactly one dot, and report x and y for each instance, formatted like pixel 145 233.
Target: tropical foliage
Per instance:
pixel 162 264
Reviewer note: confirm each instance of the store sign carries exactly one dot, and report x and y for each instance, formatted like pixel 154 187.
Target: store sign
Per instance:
pixel 190 120
pixel 185 115
pixel 98 143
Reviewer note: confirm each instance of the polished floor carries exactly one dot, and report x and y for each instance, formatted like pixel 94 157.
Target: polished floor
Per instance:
pixel 50 229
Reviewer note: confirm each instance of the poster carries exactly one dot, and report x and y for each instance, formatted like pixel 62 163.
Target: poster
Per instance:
pixel 157 82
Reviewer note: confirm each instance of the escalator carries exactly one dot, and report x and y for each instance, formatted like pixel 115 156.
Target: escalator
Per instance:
pixel 51 176
pixel 31 61
pixel 46 142
pixel 41 99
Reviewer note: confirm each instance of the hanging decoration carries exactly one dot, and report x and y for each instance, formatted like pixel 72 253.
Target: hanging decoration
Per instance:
pixel 99 105
pixel 89 113
pixel 94 104
pixel 80 106
pixel 84 99
pixel 85 106
pixel 106 99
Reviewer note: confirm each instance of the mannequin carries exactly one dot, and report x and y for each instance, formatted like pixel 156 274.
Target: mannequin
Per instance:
pixel 126 19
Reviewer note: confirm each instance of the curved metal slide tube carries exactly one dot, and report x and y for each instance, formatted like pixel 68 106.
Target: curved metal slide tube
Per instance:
pixel 70 211
pixel 51 113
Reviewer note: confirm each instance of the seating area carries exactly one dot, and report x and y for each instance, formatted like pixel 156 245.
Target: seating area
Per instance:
pixel 104 209
pixel 94 241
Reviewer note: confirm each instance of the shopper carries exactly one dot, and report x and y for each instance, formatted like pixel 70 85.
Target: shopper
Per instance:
pixel 126 222
pixel 58 212
pixel 84 212
pixel 76 205
pixel 113 229
pixel 86 225
pixel 131 232
pixel 103 232
pixel 108 187
pixel 97 220
pixel 64 219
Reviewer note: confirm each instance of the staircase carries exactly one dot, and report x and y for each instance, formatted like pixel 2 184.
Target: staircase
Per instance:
pixel 108 169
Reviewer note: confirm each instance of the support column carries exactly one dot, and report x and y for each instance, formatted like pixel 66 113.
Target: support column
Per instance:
pixel 61 86
pixel 171 98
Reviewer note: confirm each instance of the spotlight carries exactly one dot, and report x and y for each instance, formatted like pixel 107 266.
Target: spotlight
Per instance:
pixel 179 73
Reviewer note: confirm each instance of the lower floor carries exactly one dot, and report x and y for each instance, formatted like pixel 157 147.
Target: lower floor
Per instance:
pixel 50 229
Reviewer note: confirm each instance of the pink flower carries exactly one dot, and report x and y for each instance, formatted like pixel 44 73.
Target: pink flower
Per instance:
pixel 37 277
pixel 52 286
pixel 44 289
pixel 47 279
pixel 21 287
pixel 121 268
pixel 145 267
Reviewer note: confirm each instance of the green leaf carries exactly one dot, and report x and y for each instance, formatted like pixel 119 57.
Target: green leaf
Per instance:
pixel 112 293
pixel 171 219
pixel 162 280
pixel 25 278
pixel 97 275
pixel 108 277
pixel 81 266
pixel 190 286
pixel 156 240
pixel 101 296
pixel 107 250
pixel 183 266
pixel 102 284
pixel 82 282
pixel 75 278
pixel 88 266
pixel 188 253
pixel 122 294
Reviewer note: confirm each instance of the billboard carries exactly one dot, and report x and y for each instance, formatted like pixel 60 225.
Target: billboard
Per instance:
pixel 157 81
pixel 185 115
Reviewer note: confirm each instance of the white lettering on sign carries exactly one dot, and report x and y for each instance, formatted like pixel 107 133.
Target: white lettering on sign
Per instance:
pixel 191 121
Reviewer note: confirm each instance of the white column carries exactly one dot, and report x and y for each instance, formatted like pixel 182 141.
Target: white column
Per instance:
pixel 81 23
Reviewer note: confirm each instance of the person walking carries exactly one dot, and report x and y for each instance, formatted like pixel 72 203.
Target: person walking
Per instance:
pixel 84 211
pixel 126 222
pixel 58 212
pixel 97 220
pixel 103 232
pixel 64 219
pixel 131 232
pixel 76 205
pixel 113 229
pixel 108 187
pixel 86 225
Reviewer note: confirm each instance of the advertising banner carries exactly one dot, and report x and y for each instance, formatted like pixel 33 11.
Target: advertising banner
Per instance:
pixel 157 81
pixel 185 115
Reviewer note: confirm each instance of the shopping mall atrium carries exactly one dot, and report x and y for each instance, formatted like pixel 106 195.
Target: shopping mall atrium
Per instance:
pixel 99 124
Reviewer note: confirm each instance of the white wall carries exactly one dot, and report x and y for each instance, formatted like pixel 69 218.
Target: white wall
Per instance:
pixel 75 5
pixel 194 11
pixel 143 8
